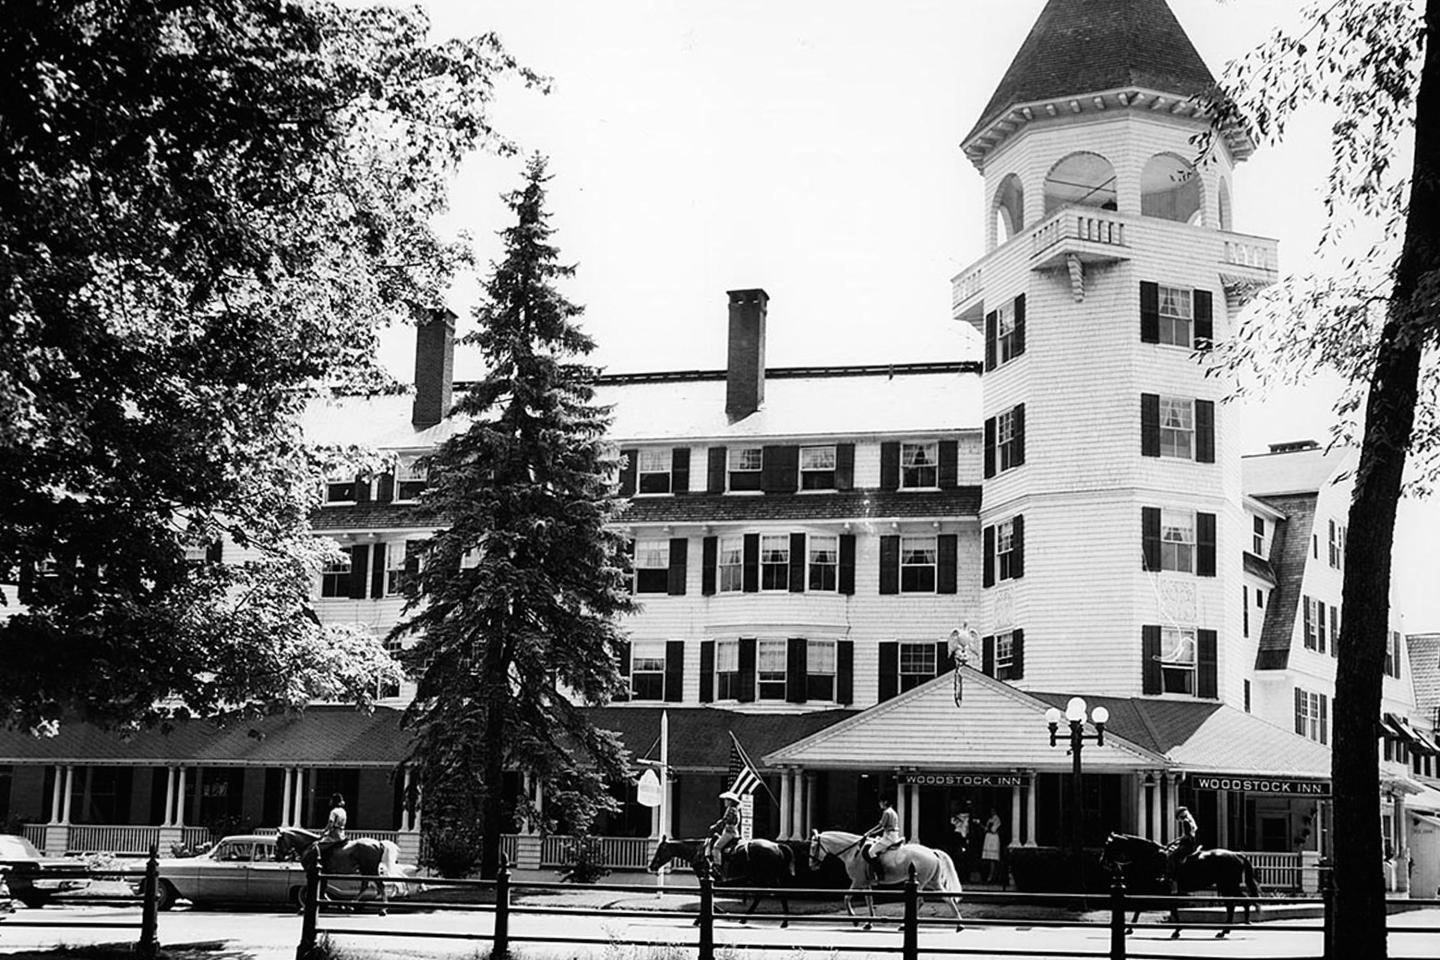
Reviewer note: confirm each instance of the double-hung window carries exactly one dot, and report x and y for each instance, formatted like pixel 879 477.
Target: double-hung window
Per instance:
pixel 730 559
pixel 817 468
pixel 396 556
pixel 917 564
pixel 727 670
pixel 1177 540
pixel 1004 655
pixel 1257 537
pixel 1177 316
pixel 1007 441
pixel 1006 346
pixel 647 670
pixel 652 566
pixel 1177 659
pixel 745 467
pixel 335 577
pixel 339 491
pixel 919 465
pixel 824 562
pixel 1005 549
pixel 917 664
pixel 410 479
pixel 652 472
pixel 775 561
pixel 820 670
pixel 770 669
pixel 1177 428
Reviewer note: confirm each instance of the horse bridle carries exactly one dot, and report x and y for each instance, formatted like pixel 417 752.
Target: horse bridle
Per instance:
pixel 831 853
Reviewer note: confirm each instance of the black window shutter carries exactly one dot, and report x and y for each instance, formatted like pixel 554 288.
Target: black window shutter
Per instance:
pixel 679 548
pixel 680 470
pixel 846 573
pixel 1324 718
pixel 1204 320
pixel 1017 655
pixel 889 564
pixel 1017 549
pixel 1206 680
pixel 707 671
pixel 622 662
pixel 1300 711
pixel 987 563
pixel 795 670
pixel 377 571
pixel 675 671
pixel 746 693
pixel 631 459
pixel 630 558
pixel 797 563
pixel 946 563
pixel 359 568
pixel 845 671
pixel 1018 338
pixel 889 669
pixel 991 325
pixel 1149 424
pixel 1149 312
pixel 989 447
pixel 1205 544
pixel 215 551
pixel 944 663
pixel 844 466
pixel 1019 433
pixel 890 465
pixel 1152 681
pixel 1204 431
pixel 987 659
pixel 949 464
pixel 385 491
pixel 780 470
pixel 750 578
pixel 362 489
pixel 1150 537
pixel 709 556
pixel 715 470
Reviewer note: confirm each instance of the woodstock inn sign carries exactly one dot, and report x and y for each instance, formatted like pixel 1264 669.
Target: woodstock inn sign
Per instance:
pixel 963 779
pixel 1283 786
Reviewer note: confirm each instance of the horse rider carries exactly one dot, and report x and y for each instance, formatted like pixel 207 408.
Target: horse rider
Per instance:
pixel 334 833
pixel 725 831
pixel 885 834
pixel 1185 844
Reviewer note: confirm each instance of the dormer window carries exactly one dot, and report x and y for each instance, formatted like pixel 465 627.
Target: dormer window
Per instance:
pixel 1257 538
pixel 340 491
pixel 653 471
pixel 410 479
pixel 919 465
pixel 745 467
pixel 817 468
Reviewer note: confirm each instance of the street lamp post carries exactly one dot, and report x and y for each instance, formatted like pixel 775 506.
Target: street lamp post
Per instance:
pixel 1075 715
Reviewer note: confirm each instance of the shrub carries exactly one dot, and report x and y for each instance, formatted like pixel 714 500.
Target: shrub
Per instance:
pixel 1054 870
pixel 587 861
pixel 452 852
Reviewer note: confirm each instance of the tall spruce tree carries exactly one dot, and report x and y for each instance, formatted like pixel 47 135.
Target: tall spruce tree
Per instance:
pixel 517 601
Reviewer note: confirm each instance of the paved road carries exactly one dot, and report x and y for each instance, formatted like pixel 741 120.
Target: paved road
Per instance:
pixel 271 936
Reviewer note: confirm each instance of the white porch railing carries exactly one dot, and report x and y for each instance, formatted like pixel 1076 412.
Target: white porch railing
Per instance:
pixel 35 833
pixel 109 838
pixel 1251 253
pixel 1276 871
pixel 965 286
pixel 625 853
pixel 194 836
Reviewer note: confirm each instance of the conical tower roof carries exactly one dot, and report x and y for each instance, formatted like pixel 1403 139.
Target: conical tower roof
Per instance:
pixel 1082 47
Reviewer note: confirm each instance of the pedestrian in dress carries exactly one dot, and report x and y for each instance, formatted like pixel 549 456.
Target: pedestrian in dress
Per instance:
pixel 990 853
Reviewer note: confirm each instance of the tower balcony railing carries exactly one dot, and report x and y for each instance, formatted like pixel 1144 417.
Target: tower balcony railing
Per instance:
pixel 965 287
pixel 1093 233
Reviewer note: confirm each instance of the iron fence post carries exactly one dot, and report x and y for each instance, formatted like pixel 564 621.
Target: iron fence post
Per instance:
pixel 311 910
pixel 1117 915
pixel 149 912
pixel 707 912
pixel 500 947
pixel 910 940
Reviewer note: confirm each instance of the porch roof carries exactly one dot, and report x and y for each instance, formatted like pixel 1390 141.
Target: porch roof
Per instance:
pixel 329 735
pixel 700 736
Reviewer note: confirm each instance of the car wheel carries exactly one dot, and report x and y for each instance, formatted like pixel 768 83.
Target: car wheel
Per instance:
pixel 34 899
pixel 166 895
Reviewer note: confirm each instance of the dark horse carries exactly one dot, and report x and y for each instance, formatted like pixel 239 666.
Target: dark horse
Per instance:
pixel 1144 866
pixel 750 863
pixel 361 855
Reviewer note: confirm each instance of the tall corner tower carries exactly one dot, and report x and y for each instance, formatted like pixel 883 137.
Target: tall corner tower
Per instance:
pixel 1112 509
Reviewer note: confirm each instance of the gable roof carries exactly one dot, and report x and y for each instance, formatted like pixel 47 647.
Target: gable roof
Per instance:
pixel 1425 671
pixel 1269 475
pixel 1090 46
pixel 1289 549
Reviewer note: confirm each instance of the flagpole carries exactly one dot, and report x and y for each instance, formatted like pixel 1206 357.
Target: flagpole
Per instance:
pixel 664 794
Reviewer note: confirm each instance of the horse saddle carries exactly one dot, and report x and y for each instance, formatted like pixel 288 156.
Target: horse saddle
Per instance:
pixel 877 863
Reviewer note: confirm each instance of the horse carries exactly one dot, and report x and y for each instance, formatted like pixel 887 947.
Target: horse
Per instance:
pixel 1143 862
pixel 360 855
pixel 750 863
pixel 934 870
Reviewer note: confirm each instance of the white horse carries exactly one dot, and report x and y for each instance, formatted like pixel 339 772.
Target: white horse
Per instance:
pixel 934 870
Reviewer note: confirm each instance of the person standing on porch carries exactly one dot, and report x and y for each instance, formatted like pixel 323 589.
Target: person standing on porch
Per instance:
pixel 990 853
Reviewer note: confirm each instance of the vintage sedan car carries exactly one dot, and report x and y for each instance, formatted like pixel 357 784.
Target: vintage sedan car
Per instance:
pixel 33 878
pixel 244 869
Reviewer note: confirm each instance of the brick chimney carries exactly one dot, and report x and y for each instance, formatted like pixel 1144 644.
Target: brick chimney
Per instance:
pixel 745 373
pixel 434 368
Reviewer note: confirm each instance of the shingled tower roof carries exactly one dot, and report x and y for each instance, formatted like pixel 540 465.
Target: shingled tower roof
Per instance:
pixel 1088 46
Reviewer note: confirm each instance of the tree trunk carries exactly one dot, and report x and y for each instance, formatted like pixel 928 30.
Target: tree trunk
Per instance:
pixel 492 813
pixel 1389 421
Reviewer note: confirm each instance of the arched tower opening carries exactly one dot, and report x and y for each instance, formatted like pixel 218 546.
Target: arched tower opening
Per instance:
pixel 1080 180
pixel 1226 223
pixel 1170 189
pixel 1009 208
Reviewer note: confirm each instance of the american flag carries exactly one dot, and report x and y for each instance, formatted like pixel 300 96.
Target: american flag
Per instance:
pixel 744 778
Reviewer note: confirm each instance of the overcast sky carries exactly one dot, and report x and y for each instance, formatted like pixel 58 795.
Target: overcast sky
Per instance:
pixel 811 148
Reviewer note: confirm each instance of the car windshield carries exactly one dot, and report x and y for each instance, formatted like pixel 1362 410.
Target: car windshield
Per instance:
pixel 17 848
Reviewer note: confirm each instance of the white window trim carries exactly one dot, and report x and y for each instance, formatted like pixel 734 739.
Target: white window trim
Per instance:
pixel 934 566
pixel 721 566
pixel 810 562
pixel 1169 319
pixel 834 461
pixel 1189 432
pixel 665 453
pixel 1005 334
pixel 636 647
pixel 722 647
pixel 785 586
pixel 1192 543
pixel 1167 636
pixel 933 446
pixel 1005 571
pixel 833 673
pixel 760 672
pixel 732 458
pixel 658 544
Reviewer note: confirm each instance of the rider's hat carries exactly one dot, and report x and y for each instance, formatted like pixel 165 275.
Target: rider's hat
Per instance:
pixel 730 795
pixel 337 800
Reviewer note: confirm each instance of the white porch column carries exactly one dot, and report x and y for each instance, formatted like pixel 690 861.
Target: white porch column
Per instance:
pixel 1137 794
pixel 180 800
pixel 1032 786
pixel 297 799
pixel 57 790
pixel 1015 838
pixel 798 827
pixel 1172 802
pixel 169 797
pixel 540 800
pixel 900 803
pixel 913 821
pixel 787 804
pixel 69 790
pixel 286 795
pixel 808 821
